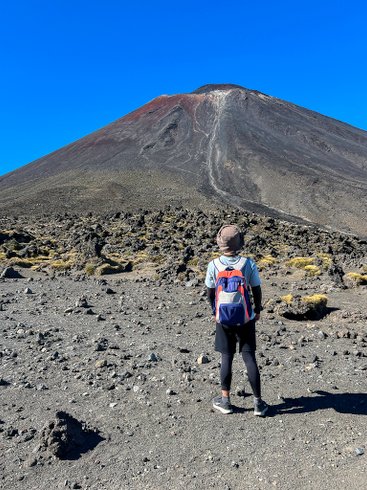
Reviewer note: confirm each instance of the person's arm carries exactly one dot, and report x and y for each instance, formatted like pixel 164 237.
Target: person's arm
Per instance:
pixel 257 295
pixel 210 293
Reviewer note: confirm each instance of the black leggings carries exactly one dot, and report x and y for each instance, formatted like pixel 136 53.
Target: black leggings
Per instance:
pixel 252 372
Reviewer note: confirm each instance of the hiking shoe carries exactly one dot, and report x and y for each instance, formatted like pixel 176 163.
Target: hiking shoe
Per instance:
pixel 260 408
pixel 219 404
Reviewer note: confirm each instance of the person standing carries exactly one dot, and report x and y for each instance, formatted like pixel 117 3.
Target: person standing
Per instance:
pixel 230 242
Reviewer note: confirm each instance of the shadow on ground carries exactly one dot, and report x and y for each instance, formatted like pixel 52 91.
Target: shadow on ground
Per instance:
pixel 352 403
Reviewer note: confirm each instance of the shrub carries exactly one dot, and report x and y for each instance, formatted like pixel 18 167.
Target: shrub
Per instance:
pixel 315 300
pixel 62 265
pixel 288 298
pixel 300 262
pixel 113 268
pixel 312 270
pixel 193 262
pixel 90 269
pixel 266 261
pixel 357 278
pixel 326 260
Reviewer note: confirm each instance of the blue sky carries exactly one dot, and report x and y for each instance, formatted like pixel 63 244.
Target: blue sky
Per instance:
pixel 71 67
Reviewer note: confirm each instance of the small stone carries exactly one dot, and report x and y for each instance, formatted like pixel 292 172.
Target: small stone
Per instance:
pixel 41 387
pixel 203 359
pixel 11 432
pixel 100 363
pixel 113 405
pixel 153 357
pixel 81 303
pixel 28 291
pixel 89 311
pixel 359 451
pixel 101 344
pixel 32 462
pixel 170 392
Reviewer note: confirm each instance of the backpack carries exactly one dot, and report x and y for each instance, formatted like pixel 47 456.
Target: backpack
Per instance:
pixel 232 299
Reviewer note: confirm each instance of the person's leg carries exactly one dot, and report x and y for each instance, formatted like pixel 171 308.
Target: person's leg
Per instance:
pixel 226 373
pixel 253 373
pixel 260 407
pixel 225 342
pixel 222 402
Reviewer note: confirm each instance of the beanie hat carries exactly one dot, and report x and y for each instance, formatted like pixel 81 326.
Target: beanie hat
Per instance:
pixel 229 239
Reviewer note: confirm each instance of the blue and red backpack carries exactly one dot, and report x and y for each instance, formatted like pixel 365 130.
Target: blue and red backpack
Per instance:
pixel 232 299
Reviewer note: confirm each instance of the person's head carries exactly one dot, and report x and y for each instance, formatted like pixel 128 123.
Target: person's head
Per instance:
pixel 230 239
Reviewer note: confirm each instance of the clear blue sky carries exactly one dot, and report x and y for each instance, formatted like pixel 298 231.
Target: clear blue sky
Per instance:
pixel 69 67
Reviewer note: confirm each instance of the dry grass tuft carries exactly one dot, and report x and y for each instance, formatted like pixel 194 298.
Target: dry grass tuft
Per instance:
pixel 326 260
pixel 300 262
pixel 316 299
pixel 90 269
pixel 312 270
pixel 357 278
pixel 288 298
pixel 266 261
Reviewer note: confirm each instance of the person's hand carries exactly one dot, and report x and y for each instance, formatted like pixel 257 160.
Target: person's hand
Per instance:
pixel 257 317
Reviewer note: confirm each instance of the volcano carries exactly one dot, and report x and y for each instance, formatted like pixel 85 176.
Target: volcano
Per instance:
pixel 219 145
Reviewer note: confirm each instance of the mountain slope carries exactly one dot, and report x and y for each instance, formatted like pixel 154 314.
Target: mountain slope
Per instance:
pixel 221 143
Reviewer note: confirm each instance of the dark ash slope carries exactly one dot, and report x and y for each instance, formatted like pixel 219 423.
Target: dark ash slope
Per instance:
pixel 221 142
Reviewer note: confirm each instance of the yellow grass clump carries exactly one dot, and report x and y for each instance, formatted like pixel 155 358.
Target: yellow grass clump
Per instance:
pixel 193 262
pixel 266 261
pixel 359 279
pixel 32 262
pixel 90 269
pixel 288 298
pixel 300 262
pixel 312 270
pixel 326 260
pixel 316 299
pixel 62 265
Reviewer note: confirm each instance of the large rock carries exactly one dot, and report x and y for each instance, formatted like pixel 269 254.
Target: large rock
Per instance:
pixel 303 308
pixel 10 273
pixel 65 437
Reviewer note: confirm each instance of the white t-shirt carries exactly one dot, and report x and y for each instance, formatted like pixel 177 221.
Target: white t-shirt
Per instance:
pixel 249 271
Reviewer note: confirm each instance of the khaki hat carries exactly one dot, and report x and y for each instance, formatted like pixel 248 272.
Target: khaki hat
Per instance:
pixel 229 239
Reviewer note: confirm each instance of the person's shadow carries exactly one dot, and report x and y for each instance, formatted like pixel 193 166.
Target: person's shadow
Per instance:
pixel 353 403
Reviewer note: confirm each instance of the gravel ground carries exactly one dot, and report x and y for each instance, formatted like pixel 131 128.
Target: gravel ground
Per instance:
pixel 122 356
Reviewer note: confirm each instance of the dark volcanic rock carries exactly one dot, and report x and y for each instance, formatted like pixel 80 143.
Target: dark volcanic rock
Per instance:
pixel 10 273
pixel 301 310
pixel 67 438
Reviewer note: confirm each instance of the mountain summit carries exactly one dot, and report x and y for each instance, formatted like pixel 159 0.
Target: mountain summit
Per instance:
pixel 219 144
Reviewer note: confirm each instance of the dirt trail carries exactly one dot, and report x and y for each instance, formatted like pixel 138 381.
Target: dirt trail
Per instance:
pixel 122 355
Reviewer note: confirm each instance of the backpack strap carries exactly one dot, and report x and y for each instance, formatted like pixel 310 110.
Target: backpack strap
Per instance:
pixel 219 266
pixel 241 263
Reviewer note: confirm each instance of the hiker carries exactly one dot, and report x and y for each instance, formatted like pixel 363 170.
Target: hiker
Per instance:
pixel 228 279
